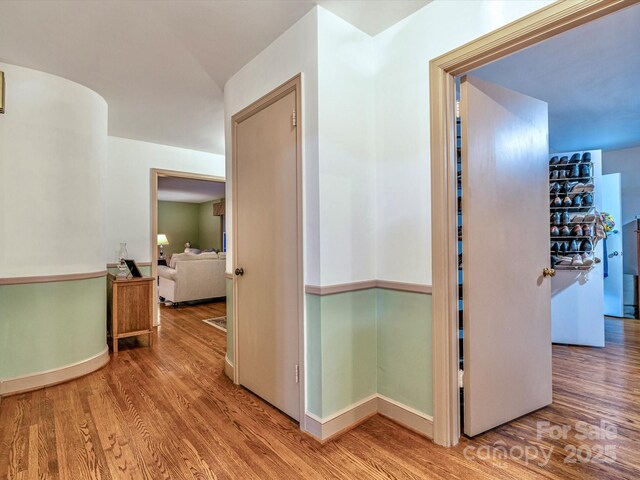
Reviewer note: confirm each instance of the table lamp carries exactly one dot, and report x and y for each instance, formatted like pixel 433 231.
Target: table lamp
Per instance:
pixel 162 241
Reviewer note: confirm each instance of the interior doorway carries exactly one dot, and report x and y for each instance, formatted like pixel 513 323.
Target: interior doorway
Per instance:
pixel 510 39
pixel 188 248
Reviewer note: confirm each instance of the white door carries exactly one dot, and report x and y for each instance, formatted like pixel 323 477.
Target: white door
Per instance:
pixel 267 274
pixel 505 211
pixel 612 203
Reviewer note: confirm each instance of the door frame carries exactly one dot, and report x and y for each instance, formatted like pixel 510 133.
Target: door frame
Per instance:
pixel 155 174
pixel 292 85
pixel 534 28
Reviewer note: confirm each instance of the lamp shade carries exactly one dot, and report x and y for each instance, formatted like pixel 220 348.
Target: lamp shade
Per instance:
pixel 162 239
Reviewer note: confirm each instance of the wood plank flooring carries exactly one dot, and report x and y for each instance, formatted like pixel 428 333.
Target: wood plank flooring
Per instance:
pixel 169 412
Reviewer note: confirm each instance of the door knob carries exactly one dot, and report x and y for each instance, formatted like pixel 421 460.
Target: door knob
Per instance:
pixel 239 271
pixel 548 272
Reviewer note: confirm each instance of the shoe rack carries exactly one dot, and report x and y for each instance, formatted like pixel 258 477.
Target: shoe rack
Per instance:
pixel 572 211
pixel 460 266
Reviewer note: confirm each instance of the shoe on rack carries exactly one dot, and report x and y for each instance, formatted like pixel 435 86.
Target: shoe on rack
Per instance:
pixel 564 160
pixel 563 247
pixel 587 231
pixel 556 218
pixel 562 174
pixel 554 175
pixel 578 218
pixel 554 260
pixel 565 231
pixel 554 160
pixel 564 260
pixel 587 259
pixel 577 200
pixel 576 231
pixel 556 202
pixel 566 217
pixel 587 200
pixel 577 261
pixel 567 202
pixel 574 246
pixel 553 246
pixel 577 187
pixel 588 187
pixel 555 231
pixel 575 158
pixel 585 170
pixel 586 157
pixel 587 245
pixel 568 187
pixel 575 171
pixel 589 218
pixel 554 187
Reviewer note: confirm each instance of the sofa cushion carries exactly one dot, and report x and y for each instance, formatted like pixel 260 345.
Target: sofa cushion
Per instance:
pixel 167 272
pixel 181 257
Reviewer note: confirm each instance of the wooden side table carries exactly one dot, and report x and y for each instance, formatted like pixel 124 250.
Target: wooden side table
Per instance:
pixel 129 307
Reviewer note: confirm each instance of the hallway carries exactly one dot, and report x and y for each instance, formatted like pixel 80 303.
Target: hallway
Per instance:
pixel 170 412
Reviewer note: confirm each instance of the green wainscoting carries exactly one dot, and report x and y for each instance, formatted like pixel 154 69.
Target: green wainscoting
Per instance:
pixel 44 326
pixel 229 283
pixel 366 342
pixel 405 369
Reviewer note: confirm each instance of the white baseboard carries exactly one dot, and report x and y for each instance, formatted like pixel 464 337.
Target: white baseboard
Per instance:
pixel 324 429
pixel 228 368
pixel 343 420
pixel 406 416
pixel 35 381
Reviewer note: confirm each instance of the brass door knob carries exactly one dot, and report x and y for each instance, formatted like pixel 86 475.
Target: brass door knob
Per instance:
pixel 548 272
pixel 239 271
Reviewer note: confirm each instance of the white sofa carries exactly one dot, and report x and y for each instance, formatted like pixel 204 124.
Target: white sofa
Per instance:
pixel 192 277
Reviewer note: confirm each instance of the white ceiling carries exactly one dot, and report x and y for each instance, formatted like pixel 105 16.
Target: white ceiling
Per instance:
pixel 588 76
pixel 162 65
pixel 174 189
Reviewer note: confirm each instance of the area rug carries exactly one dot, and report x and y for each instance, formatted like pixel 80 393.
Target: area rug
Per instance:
pixel 219 322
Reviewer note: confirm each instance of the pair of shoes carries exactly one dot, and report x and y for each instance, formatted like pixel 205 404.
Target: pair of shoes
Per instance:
pixel 564 160
pixel 556 202
pixel 565 231
pixel 586 157
pixel 585 170
pixel 554 187
pixel 554 175
pixel 555 231
pixel 587 245
pixel 587 200
pixel 574 246
pixel 577 231
pixel 554 160
pixel 587 259
pixel 582 188
pixel 575 158
pixel 587 230
pixel 556 218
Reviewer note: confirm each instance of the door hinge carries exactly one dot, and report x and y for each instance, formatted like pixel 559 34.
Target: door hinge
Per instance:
pixel 460 378
pixel 297 374
pixel 294 119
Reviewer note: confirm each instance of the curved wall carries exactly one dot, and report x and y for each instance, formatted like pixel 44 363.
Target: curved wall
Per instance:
pixel 53 146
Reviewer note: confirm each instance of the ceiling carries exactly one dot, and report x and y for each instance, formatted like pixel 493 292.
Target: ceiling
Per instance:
pixel 175 189
pixel 162 65
pixel 588 76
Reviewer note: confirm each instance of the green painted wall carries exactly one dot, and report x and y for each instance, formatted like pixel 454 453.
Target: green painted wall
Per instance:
pixel 230 350
pixel 210 235
pixel 367 342
pixel 313 364
pixel 180 222
pixel 44 326
pixel 405 369
pixel 349 350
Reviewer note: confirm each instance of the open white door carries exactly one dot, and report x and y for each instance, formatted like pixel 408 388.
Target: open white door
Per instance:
pixel 507 322
pixel 612 203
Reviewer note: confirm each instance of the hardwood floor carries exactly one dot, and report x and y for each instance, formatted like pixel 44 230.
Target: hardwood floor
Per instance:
pixel 170 412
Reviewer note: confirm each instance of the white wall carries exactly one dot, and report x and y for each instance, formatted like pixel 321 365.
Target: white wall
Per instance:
pixel 402 123
pixel 128 190
pixel 346 123
pixel 627 162
pixel 52 152
pixel 294 52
